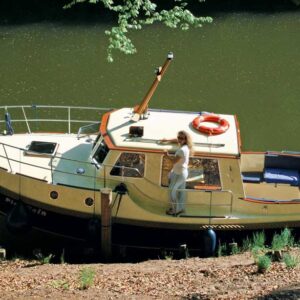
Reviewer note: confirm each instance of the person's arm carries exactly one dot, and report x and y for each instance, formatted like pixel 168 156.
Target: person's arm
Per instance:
pixel 164 140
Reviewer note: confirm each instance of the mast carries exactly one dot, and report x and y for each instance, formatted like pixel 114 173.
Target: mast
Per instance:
pixel 141 109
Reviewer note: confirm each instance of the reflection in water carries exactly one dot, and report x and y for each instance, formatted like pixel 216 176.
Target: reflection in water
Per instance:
pixel 246 63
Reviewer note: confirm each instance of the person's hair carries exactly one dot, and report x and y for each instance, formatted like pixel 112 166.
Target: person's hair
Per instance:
pixel 188 140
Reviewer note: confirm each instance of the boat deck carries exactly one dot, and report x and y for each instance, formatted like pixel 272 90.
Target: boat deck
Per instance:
pixel 272 191
pixel 61 168
pixel 165 124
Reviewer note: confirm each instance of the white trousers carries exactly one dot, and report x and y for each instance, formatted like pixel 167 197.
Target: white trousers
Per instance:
pixel 177 181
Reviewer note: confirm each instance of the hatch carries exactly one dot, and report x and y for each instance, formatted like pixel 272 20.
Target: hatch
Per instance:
pixel 41 148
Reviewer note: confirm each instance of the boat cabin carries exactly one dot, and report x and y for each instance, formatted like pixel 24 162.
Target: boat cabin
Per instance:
pixel 132 152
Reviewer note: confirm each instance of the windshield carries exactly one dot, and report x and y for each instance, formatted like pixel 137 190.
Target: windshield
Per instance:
pixel 96 140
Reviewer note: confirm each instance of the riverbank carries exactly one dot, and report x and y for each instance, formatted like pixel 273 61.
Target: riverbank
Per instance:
pixel 228 277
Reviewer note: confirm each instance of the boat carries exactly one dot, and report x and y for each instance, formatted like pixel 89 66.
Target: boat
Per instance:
pixel 52 177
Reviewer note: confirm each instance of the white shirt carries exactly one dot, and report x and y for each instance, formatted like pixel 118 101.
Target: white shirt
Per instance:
pixel 183 163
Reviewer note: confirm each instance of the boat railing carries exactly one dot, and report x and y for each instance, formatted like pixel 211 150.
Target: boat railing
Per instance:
pixel 37 118
pixel 211 205
pixel 53 168
pixel 11 160
pixel 19 161
pixel 122 169
pixel 94 177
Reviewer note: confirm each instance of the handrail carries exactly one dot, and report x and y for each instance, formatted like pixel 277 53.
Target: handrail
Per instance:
pixel 52 109
pixel 53 106
pixel 6 157
pixel 52 120
pixel 94 176
pixel 211 192
pixel 192 191
pixel 69 120
pixel 122 168
pixel 52 170
pixel 25 117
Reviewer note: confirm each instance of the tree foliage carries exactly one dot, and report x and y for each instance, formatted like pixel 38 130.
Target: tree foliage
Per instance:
pixel 134 14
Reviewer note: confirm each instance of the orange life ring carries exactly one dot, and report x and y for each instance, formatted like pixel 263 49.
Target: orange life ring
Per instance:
pixel 223 124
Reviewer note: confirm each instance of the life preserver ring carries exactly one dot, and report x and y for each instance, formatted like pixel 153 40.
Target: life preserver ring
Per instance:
pixel 223 124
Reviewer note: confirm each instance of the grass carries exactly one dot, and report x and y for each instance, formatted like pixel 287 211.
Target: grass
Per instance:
pixel 282 240
pixel 263 263
pixel 42 258
pixel 259 240
pixel 247 245
pixel 234 248
pixel 87 277
pixel 62 257
pixel 60 284
pixel 291 261
pixel 264 254
pixel 169 256
pixel 222 250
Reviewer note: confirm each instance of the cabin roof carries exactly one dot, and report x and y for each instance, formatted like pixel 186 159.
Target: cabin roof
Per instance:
pixel 165 124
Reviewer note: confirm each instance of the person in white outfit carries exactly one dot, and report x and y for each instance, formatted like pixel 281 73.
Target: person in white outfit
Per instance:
pixel 179 172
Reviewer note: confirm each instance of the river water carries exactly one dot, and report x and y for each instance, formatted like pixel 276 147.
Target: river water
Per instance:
pixel 243 63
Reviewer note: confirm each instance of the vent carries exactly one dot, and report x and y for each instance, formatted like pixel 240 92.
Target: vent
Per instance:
pixel 136 131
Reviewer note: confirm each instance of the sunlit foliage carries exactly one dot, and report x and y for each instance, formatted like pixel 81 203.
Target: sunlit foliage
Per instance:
pixel 134 14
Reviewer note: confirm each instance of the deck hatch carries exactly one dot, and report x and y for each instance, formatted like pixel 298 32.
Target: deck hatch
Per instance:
pixel 41 148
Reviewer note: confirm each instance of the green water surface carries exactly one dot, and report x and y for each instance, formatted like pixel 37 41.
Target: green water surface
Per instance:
pixel 246 64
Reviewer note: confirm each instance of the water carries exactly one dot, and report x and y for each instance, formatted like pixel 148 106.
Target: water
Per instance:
pixel 244 63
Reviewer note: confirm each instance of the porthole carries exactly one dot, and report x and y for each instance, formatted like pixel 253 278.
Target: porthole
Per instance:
pixel 89 201
pixel 54 195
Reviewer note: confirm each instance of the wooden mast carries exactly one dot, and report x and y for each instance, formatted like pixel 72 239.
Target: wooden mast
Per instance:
pixel 140 109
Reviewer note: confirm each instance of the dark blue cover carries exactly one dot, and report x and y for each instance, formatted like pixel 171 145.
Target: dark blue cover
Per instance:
pixel 252 177
pixel 274 175
pixel 277 161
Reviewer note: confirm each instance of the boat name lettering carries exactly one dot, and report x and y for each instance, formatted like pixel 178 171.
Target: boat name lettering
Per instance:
pixel 37 211
pixel 10 201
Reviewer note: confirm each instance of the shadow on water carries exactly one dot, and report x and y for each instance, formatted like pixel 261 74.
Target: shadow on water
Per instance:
pixel 28 11
pixel 131 247
pixel 125 247
pixel 17 12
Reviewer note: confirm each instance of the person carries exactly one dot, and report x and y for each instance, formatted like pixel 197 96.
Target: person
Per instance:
pixel 179 172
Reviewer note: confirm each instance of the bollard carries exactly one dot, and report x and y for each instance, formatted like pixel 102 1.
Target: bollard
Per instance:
pixel 106 201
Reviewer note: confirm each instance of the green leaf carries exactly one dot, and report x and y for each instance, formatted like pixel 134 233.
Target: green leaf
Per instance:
pixel 134 14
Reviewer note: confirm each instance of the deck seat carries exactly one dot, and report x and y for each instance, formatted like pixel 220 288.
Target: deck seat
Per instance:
pixel 252 177
pixel 275 175
pixel 277 161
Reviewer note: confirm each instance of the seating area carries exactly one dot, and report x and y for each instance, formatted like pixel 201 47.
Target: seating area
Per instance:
pixel 274 175
pixel 279 161
pixel 254 177
pixel 278 169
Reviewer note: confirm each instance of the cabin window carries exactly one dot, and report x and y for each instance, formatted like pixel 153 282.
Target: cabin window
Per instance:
pixel 96 140
pixel 203 173
pixel 101 152
pixel 129 165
